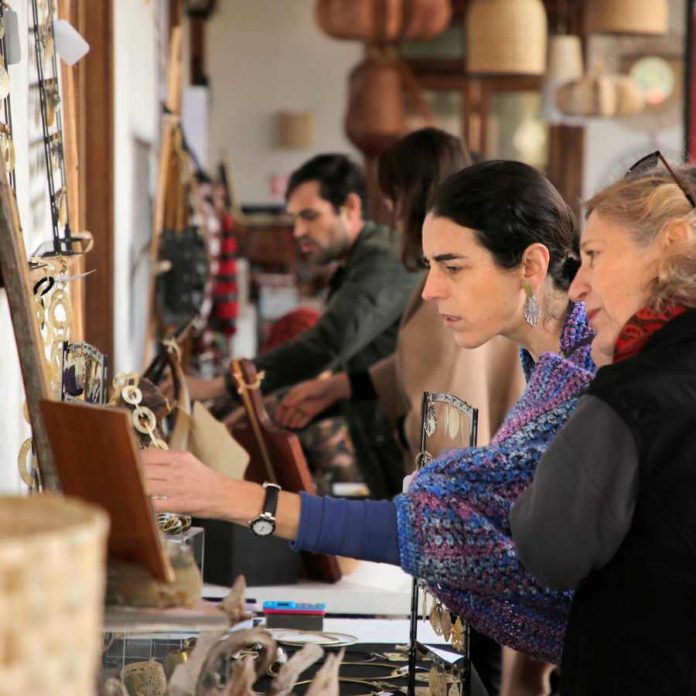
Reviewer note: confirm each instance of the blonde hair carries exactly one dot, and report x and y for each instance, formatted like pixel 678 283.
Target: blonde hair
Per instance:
pixel 645 204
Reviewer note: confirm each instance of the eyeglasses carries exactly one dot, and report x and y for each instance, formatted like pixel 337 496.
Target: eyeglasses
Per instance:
pixel 645 164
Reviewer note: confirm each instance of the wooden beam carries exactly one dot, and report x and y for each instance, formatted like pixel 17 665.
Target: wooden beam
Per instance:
pixel 68 9
pixel 96 136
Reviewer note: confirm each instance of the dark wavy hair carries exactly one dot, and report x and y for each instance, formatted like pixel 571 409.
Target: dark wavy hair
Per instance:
pixel 408 172
pixel 510 205
pixel 337 176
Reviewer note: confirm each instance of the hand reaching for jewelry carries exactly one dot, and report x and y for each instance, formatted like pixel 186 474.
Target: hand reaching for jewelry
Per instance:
pixel 178 482
pixel 308 399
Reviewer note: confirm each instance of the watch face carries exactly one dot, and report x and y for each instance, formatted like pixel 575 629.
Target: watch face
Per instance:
pixel 262 527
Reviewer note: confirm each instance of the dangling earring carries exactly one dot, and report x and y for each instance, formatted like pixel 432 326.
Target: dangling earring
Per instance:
pixel 532 310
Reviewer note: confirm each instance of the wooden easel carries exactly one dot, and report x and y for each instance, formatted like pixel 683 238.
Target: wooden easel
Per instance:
pixel 168 174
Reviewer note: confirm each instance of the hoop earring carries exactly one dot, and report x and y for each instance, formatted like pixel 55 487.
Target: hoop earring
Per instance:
pixel 532 310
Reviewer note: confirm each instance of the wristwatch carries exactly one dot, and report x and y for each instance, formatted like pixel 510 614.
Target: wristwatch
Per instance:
pixel 265 523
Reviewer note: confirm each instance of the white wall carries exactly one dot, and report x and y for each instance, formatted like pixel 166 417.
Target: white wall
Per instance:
pixel 265 56
pixel 136 39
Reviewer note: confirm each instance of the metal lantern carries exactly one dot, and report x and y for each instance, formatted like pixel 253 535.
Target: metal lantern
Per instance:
pixel 506 37
pixel 628 16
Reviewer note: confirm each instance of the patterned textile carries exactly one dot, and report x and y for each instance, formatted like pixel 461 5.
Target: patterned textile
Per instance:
pixel 453 522
pixel 639 328
pixel 225 300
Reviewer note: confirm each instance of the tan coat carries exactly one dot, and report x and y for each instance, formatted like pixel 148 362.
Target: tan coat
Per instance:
pixel 427 359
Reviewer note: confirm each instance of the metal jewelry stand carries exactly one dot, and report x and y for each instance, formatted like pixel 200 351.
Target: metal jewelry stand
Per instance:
pixel 428 425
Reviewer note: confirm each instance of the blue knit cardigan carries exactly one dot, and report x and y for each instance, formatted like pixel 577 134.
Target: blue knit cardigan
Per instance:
pixel 453 522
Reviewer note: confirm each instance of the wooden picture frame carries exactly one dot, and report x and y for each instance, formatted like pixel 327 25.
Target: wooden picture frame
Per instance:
pixel 97 460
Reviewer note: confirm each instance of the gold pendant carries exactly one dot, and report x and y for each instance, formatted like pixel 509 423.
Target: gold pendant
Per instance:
pixel 437 682
pixel 424 605
pixel 452 422
pixel 446 623
pixel 62 205
pixel 436 617
pixel 459 636
pixel 454 689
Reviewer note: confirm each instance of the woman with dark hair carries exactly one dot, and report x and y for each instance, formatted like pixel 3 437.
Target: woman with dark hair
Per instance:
pixel 426 359
pixel 500 244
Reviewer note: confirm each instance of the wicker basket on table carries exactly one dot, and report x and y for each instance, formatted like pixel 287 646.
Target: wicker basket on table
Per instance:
pixel 52 570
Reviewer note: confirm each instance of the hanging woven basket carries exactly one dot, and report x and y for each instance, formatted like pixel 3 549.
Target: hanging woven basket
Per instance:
pixel 383 21
pixel 506 37
pixel 600 96
pixel 565 61
pixel 627 16
pixel 52 570
pixel 376 115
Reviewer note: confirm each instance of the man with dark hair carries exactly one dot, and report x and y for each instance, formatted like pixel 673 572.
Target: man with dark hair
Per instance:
pixel 326 198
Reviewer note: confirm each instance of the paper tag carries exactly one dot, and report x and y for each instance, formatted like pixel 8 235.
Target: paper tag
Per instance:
pixel 70 44
pixel 13 48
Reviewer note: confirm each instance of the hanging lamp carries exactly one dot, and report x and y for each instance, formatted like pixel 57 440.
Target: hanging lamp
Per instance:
pixel 506 37
pixel 564 64
pixel 628 16
pixel 564 59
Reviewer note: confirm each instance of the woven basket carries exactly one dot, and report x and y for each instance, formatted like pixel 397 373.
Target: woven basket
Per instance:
pixel 52 562
pixel 506 37
pixel 602 95
pixel 383 21
pixel 628 16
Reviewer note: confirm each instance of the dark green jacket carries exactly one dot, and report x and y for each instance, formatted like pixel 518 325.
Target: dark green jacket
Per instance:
pixel 359 326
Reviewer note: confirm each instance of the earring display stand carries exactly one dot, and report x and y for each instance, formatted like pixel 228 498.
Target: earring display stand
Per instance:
pixel 428 427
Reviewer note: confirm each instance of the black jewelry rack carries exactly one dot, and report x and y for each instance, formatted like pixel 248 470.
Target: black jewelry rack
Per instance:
pixel 63 242
pixel 428 425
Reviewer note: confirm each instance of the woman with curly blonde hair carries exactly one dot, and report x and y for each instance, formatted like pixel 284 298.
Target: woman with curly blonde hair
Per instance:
pixel 612 509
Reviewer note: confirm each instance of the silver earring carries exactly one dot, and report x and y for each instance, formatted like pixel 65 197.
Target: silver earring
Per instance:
pixel 532 310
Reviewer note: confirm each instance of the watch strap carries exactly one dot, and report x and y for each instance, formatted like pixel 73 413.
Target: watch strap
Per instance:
pixel 270 503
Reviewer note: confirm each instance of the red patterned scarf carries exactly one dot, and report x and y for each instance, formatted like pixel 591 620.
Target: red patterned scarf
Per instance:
pixel 639 328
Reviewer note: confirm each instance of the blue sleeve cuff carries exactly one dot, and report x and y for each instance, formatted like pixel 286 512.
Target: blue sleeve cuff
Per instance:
pixel 364 529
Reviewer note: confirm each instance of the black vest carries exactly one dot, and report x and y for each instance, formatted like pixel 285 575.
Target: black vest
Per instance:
pixel 632 625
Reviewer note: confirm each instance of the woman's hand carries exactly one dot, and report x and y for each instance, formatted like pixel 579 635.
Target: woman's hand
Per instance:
pixel 178 482
pixel 308 399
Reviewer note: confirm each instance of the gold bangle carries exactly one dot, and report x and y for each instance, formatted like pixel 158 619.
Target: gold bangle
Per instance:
pixel 23 462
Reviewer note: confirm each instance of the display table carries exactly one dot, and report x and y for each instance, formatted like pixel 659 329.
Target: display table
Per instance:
pixel 372 589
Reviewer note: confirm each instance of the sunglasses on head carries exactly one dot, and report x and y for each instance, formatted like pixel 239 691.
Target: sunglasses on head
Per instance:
pixel 649 162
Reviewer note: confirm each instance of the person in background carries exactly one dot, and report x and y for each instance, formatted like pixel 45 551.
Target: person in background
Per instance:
pixel 326 197
pixel 612 509
pixel 501 246
pixel 427 358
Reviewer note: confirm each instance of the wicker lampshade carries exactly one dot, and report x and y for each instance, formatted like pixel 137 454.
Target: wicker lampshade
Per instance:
pixel 565 59
pixel 52 568
pixel 628 16
pixel 506 37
